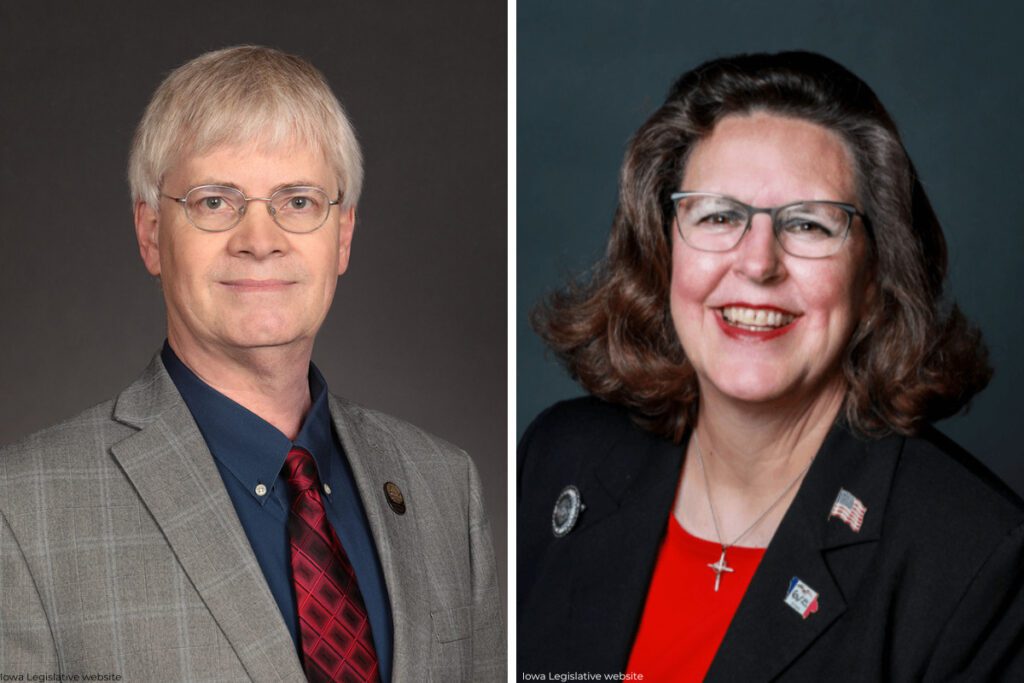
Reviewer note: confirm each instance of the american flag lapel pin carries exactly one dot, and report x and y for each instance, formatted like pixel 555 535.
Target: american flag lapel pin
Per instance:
pixel 849 509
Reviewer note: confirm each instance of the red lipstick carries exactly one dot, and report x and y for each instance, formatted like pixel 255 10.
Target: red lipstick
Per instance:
pixel 736 332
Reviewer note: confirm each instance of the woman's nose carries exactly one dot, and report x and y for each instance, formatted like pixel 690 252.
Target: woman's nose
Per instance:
pixel 759 254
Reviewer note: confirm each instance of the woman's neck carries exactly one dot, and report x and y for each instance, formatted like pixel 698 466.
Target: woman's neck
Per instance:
pixel 750 456
pixel 755 445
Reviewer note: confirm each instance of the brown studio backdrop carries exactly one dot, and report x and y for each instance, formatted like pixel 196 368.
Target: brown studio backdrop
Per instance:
pixel 418 324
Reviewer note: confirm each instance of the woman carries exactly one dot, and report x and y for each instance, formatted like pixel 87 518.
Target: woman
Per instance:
pixel 753 491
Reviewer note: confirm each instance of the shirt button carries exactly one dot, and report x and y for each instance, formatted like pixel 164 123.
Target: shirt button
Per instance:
pixel 261 490
pixel 327 489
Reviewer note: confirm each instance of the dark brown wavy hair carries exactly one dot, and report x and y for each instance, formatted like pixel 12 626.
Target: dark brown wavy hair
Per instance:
pixel 913 359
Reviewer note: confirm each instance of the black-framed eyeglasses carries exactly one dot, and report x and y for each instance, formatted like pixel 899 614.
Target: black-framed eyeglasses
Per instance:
pixel 216 208
pixel 808 229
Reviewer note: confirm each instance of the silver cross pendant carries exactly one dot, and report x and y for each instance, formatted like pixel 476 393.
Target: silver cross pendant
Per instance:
pixel 719 568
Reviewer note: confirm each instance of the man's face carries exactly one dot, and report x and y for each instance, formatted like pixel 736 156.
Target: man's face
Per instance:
pixel 255 285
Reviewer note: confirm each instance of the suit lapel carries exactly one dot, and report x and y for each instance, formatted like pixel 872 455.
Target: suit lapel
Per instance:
pixel 629 496
pixel 172 470
pixel 376 458
pixel 766 634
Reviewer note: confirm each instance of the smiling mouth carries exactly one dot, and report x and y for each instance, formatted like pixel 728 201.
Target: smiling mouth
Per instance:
pixel 756 319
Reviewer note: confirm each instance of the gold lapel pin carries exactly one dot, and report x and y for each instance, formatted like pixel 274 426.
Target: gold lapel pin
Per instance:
pixel 395 498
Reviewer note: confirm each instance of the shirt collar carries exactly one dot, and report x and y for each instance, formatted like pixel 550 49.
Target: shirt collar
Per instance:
pixel 317 435
pixel 251 448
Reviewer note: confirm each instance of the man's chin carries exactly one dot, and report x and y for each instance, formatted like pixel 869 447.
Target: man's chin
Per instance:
pixel 263 339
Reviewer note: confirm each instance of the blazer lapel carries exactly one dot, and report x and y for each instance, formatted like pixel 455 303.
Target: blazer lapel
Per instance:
pixel 629 496
pixel 810 546
pixel 375 458
pixel 172 470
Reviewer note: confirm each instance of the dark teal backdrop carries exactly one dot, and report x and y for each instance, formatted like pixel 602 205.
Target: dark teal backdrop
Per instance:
pixel 952 74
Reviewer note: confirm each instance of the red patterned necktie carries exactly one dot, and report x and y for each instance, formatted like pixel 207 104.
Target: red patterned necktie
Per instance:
pixel 333 625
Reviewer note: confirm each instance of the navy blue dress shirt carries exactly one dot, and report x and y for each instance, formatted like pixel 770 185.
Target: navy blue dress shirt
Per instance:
pixel 249 451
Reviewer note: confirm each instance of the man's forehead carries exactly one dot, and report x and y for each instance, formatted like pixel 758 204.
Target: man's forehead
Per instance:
pixel 292 161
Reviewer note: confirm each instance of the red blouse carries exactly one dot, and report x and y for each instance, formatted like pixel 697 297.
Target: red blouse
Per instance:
pixel 684 619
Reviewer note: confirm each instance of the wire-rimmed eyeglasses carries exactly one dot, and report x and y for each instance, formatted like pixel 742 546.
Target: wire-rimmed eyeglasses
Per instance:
pixel 216 208
pixel 808 229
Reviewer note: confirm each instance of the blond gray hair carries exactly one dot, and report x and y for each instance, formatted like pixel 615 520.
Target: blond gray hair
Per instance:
pixel 235 96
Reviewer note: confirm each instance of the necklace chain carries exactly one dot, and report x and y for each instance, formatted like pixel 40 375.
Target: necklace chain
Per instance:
pixel 714 516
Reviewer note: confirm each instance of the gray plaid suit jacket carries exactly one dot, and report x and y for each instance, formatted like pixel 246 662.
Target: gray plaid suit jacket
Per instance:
pixel 121 553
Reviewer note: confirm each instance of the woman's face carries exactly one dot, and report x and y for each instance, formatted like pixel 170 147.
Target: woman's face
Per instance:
pixel 809 307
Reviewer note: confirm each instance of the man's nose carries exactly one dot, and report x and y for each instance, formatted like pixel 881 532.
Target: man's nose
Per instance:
pixel 257 234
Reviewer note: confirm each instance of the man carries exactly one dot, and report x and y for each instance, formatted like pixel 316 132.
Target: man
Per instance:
pixel 225 518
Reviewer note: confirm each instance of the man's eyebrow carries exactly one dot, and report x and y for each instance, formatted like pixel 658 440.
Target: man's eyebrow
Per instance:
pixel 218 183
pixel 276 188
pixel 298 183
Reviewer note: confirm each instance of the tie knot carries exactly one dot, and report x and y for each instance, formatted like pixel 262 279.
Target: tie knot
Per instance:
pixel 300 470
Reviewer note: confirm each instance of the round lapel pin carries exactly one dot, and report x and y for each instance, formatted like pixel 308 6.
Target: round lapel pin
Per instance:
pixel 568 507
pixel 395 498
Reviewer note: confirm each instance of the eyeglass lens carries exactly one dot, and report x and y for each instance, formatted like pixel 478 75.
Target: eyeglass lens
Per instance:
pixel 716 223
pixel 296 209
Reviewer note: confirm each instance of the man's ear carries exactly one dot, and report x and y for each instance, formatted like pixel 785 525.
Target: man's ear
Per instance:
pixel 348 226
pixel 147 232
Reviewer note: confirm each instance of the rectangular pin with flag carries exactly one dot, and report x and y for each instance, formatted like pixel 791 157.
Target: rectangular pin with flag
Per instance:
pixel 849 509
pixel 802 598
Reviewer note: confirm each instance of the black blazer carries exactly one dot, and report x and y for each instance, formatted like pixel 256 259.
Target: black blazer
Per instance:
pixel 931 587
